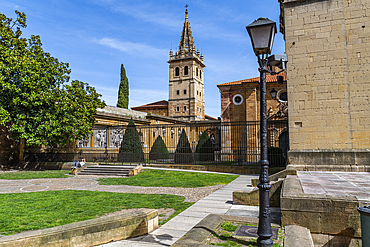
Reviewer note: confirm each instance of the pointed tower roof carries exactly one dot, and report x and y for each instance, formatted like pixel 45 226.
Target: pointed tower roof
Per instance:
pixel 186 48
pixel 186 42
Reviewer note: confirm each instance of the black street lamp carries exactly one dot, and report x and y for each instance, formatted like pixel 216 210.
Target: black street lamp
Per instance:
pixel 262 33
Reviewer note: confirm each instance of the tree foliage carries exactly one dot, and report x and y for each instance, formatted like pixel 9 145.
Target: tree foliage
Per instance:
pixel 131 150
pixel 204 149
pixel 123 91
pixel 35 99
pixel 183 152
pixel 158 150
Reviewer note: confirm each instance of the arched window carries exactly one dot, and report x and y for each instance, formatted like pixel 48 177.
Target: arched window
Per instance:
pixel 186 70
pixel 177 71
pixel 197 71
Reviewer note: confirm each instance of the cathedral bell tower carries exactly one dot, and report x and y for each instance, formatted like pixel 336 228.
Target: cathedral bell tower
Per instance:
pixel 186 85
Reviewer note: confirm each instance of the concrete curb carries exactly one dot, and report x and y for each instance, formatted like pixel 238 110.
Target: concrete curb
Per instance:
pixel 199 234
pixel 297 234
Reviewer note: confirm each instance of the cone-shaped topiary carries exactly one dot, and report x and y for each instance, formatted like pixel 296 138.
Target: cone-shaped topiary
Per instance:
pixel 204 150
pixel 158 150
pixel 131 150
pixel 183 153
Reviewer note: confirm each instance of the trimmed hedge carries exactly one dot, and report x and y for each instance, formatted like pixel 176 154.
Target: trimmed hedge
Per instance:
pixel 183 153
pixel 131 150
pixel 204 150
pixel 158 150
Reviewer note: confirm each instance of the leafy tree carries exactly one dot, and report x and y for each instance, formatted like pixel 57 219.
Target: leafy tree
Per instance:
pixel 123 91
pixel 158 150
pixel 131 150
pixel 35 100
pixel 204 149
pixel 183 152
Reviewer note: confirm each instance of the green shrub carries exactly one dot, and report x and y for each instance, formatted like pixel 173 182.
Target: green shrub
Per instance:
pixel 183 153
pixel 204 150
pixel 158 150
pixel 131 150
pixel 275 157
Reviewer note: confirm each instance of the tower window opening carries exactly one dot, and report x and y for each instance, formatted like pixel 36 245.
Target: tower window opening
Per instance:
pixel 200 93
pixel 186 70
pixel 177 71
pixel 178 92
pixel 197 92
pixel 185 108
pixel 185 91
pixel 177 108
pixel 200 74
pixel 196 71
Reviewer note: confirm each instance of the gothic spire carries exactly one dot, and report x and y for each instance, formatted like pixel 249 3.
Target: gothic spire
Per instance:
pixel 186 42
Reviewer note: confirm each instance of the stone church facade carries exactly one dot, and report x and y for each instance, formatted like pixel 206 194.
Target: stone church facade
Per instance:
pixel 327 43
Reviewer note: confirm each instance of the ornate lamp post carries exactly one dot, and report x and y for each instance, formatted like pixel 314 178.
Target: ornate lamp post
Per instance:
pixel 262 33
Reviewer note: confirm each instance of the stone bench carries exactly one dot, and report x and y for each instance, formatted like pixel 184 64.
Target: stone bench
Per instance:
pixel 88 233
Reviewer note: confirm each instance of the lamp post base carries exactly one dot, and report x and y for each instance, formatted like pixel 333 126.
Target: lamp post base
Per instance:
pixel 264 242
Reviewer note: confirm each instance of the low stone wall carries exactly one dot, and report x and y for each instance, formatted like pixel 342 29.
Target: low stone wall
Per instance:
pixel 322 214
pixel 330 160
pixel 251 198
pixel 88 233
pixel 276 176
pixel 236 169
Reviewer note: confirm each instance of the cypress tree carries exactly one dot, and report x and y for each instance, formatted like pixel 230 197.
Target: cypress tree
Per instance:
pixel 131 150
pixel 183 153
pixel 158 150
pixel 123 91
pixel 204 149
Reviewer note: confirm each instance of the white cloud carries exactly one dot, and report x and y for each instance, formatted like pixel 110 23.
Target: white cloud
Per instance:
pixel 147 12
pixel 134 49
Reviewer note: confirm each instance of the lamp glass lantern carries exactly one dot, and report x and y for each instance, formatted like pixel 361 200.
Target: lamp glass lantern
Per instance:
pixel 273 93
pixel 262 32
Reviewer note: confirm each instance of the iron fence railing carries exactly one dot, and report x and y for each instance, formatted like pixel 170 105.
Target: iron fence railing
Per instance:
pixel 232 143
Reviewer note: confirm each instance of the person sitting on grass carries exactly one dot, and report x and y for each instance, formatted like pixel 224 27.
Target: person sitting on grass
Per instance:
pixel 76 163
pixel 82 163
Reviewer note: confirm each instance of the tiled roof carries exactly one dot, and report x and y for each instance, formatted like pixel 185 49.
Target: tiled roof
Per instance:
pixel 158 104
pixel 269 78
pixel 209 117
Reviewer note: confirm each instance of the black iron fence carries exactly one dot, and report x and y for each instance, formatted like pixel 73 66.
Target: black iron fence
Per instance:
pixel 227 143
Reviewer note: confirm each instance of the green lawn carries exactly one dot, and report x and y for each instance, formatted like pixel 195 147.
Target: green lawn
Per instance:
pixel 163 178
pixel 34 174
pixel 37 210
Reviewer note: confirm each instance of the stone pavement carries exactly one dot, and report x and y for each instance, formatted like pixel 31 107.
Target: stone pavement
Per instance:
pixel 219 202
pixel 336 183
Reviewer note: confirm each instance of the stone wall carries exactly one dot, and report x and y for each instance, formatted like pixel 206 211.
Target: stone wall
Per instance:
pixel 327 43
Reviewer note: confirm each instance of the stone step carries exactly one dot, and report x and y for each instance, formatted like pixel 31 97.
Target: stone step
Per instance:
pixel 107 170
pixel 105 174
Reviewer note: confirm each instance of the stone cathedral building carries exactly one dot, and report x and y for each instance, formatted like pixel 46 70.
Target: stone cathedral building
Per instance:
pixel 186 83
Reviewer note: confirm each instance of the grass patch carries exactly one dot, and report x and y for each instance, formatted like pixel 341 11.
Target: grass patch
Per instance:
pixel 223 236
pixel 37 210
pixel 34 174
pixel 163 178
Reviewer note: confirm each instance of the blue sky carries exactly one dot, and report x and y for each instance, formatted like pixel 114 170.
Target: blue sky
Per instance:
pixel 96 36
